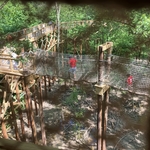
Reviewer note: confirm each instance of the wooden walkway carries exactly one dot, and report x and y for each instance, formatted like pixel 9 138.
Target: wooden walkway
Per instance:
pixel 113 75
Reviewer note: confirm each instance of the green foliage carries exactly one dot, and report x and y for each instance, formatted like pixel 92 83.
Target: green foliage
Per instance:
pixel 15 16
pixel 12 19
pixel 72 99
pixel 37 12
pixel 22 100
pixel 74 13
pixel 77 126
pixel 74 104
pixel 79 113
pixel 128 30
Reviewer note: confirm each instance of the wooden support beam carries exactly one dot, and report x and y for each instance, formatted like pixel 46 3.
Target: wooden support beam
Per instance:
pixel 105 117
pixel 31 115
pixel 99 122
pixel 4 107
pixel 45 86
pixel 20 113
pixel 41 115
pixel 4 129
pixel 9 72
pixel 26 103
pixel 102 101
pixel 14 119
pixel 49 84
pixel 35 101
pixel 106 46
pixel 100 89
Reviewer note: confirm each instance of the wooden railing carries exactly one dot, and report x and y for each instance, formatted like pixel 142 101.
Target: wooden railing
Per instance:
pixel 6 65
pixel 36 32
pixel 33 33
pixel 40 30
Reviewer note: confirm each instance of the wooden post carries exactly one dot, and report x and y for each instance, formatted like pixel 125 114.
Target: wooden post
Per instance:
pixel 35 102
pixel 3 125
pixel 109 53
pixel 4 129
pixel 14 118
pixel 41 115
pixel 31 114
pixel 105 104
pixel 74 43
pixel 11 65
pixel 81 50
pixel 100 65
pixel 66 45
pixel 27 103
pixel 99 122
pixel 49 84
pixel 109 56
pixel 99 102
pixel 102 89
pixel 45 86
pixel 20 114
pixel 34 65
pixel 46 42
pixel 102 92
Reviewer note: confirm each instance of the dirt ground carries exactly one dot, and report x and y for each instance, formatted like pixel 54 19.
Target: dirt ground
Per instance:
pixel 127 115
pixel 70 115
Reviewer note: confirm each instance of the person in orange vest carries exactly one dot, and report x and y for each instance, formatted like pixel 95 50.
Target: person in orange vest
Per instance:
pixel 129 80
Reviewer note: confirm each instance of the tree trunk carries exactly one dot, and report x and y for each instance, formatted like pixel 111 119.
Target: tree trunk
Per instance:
pixel 58 30
pixel 58 6
pixel 4 130
pixel 14 118
pixel 41 115
pixel 20 114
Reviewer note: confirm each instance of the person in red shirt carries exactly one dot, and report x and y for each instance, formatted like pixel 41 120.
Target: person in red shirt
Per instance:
pixel 129 80
pixel 72 63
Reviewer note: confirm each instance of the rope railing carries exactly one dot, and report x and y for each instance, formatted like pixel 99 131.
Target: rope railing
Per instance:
pixel 50 63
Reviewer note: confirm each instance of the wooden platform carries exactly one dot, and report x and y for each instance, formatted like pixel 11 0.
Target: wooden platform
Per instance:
pixel 8 72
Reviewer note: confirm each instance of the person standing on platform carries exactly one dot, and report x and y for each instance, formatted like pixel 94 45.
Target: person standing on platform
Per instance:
pixel 72 63
pixel 129 81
